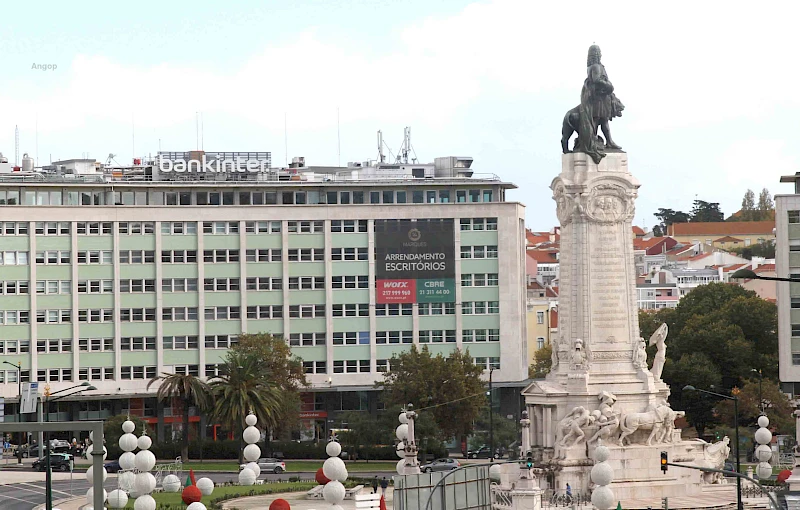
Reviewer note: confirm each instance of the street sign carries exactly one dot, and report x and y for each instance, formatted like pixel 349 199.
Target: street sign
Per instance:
pixel 30 397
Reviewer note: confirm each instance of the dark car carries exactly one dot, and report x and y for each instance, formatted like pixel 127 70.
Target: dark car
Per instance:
pixel 440 465
pixel 112 467
pixel 58 462
pixel 483 453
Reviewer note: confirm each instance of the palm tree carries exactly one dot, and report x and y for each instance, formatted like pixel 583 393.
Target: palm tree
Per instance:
pixel 242 388
pixel 191 391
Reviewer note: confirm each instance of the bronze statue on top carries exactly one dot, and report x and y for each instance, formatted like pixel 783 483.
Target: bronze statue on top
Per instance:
pixel 598 107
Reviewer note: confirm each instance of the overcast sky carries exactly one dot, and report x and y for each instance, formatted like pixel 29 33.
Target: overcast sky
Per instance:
pixel 710 88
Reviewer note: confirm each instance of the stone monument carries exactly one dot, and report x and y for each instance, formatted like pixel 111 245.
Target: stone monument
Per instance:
pixel 600 386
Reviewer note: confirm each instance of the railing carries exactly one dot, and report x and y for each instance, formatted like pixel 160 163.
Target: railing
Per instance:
pixel 501 498
pixel 560 499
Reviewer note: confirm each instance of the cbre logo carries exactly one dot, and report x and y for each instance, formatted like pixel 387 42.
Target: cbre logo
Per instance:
pixel 395 285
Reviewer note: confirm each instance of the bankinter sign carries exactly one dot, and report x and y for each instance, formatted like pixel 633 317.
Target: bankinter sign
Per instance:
pixel 415 261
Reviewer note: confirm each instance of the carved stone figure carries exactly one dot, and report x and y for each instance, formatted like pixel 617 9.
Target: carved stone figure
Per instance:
pixel 658 339
pixel 572 426
pixel 654 419
pixel 715 456
pixel 608 426
pixel 578 356
pixel 640 354
pixel 554 356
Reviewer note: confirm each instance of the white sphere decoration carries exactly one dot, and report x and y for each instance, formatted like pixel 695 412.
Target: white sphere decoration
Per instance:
pixel 144 442
pixel 145 502
pixel 196 506
pixel 145 483
pixel 763 421
pixel 602 497
pixel 128 442
pixel 90 496
pixel 206 486
pixel 334 469
pixel 333 492
pixel 91 437
pixel 401 450
pixel 117 499
pixel 247 477
pixel 251 420
pixel 333 449
pixel 601 454
pixel 252 452
pixel 90 449
pixel 400 465
pixel 145 460
pixel 602 474
pixel 764 470
pixel 252 466
pixel 763 436
pixel 128 426
pixel 126 479
pixel 251 435
pixel 403 418
pixel 90 474
pixel 764 453
pixel 133 494
pixel 127 461
pixel 402 431
pixel 495 471
pixel 171 483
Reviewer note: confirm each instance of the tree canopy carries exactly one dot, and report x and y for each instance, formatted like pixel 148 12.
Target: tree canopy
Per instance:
pixel 542 362
pixel 706 211
pixel 751 210
pixel 667 217
pixel 190 391
pixel 451 384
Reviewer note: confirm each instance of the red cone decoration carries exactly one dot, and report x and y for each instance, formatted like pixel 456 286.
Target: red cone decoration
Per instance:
pixel 279 504
pixel 320 477
pixel 191 494
pixel 383 503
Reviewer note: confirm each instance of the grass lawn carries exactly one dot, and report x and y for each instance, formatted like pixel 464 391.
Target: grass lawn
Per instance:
pixel 294 466
pixel 174 498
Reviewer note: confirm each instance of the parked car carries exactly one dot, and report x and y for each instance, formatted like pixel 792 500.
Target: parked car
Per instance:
pixel 440 465
pixel 112 467
pixel 269 465
pixel 33 451
pixel 58 462
pixel 484 453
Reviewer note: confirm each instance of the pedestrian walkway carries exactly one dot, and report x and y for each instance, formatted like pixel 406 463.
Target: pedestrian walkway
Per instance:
pixel 296 500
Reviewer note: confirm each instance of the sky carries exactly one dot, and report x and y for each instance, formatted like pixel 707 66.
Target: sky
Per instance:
pixel 710 88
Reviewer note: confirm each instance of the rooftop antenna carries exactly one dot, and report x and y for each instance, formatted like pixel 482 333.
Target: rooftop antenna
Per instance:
pixel 406 148
pixel 381 157
pixel 16 145
pixel 285 141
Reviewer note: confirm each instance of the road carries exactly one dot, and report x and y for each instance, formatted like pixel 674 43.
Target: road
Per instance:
pixel 25 496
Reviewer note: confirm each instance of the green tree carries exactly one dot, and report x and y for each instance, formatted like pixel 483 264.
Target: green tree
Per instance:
pixel 667 218
pixel 706 211
pixel 453 385
pixel 112 431
pixel 698 370
pixel 366 431
pixel 504 431
pixel 748 211
pixel 542 362
pixel 244 387
pixel 766 250
pixel 766 207
pixel 190 391
pixel 777 407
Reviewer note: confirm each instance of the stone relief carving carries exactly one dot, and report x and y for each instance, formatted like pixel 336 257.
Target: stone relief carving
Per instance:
pixel 610 203
pixel 579 355
pixel 572 426
pixel 658 419
pixel 640 354
pixel 714 456
pixel 613 355
pixel 565 204
pixel 658 339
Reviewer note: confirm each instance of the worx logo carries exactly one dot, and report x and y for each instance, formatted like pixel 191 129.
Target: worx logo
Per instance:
pixel 395 285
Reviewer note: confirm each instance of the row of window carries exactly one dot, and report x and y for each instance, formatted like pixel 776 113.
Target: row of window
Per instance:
pixel 478 223
pixel 480 307
pixel 479 280
pixel 57 345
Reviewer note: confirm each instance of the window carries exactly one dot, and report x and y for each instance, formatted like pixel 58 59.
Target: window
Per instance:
pixel 264 283
pixel 220 341
pixel 795 358
pixel 540 343
pixel 138 343
pixel 137 314
pixel 96 315
pixel 306 311
pixel 304 227
pixel 349 254
pixel 179 313
pixel 314 367
pixel 265 312
pixel 95 344
pixel 263 227
pixel 795 329
pixel 306 339
pixel 187 370
pixel 479 252
pixel 93 228
pixel 437 308
pixel 96 286
pixel 178 256
pixel 351 310
pixel 220 227
pixel 348 226
pixel 49 228
pixel 306 255
pixel 265 255
pixel 136 228
pixel 52 257
pixel 220 284
pixel 393 310
pixel 350 282
pixel 14 258
pixel 54 345
pixel 136 257
pixel 179 227
pixel 53 316
pixel 306 283
pixel 217 256
pixel 794 216
pixel 223 313
pixel 14 287
pixel 179 285
pixel 137 372
pixel 382 365
pixel 394 337
pixel 11 228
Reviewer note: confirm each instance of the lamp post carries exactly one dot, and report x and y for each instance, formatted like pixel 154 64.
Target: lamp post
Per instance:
pixel 749 274
pixel 84 386
pixel 18 366
pixel 689 387
pixel 491 418
pixel 760 380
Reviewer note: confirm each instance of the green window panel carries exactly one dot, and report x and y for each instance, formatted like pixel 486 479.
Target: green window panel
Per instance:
pixel 794 231
pixel 347 352
pixel 214 356
pixel 135 242
pixel 212 242
pixel 444 350
pixel 23 303
pixel 106 330
pixel 274 269
pixel 306 297
pixel 46 243
pixel 795 344
pixel 479 266
pixel 63 360
pixel 180 328
pixel 20 243
pixel 794 259
pixel 399 323
pixel 437 322
pixel 170 299
pixel 306 240
pixel 353 240
pixel 303 325
pixel 795 315
pixel 222 270
pixel 132 329
pixel 90 272
pixel 144 300
pixel 96 359
pixel 350 268
pixel 135 358
pixel 480 321
pixel 87 301
pixel 55 331
pixel 273 326
pixel 23 359
pixel 479 238
pixel 17 332
pixel 480 293
pixel 482 350
pixel 305 269
pixel 107 243
pixel 349 324
pixel 42 273
pixel 178 242
pixel 272 297
pixel 387 351
pixel 179 271
pixel 137 271
pixel 351 296
pixel 181 357
pixel 229 298
pixel 229 327
pixel 264 241
pixel 316 353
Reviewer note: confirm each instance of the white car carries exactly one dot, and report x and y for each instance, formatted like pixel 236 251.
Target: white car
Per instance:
pixel 269 465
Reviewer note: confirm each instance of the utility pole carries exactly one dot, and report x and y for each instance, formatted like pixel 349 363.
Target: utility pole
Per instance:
pixel 491 418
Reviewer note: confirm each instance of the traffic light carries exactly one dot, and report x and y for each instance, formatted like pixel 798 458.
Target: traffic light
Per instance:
pixel 664 462
pixel 529 462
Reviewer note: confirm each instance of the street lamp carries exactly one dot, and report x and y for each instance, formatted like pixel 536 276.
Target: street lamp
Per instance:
pixel 689 387
pixel 491 418
pixel 749 274
pixel 18 366
pixel 760 380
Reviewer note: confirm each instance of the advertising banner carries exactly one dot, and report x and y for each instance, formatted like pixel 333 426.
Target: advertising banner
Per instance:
pixel 415 261
pixel 30 397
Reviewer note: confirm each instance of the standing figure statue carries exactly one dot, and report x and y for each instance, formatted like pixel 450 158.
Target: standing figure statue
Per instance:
pixel 658 339
pixel 598 107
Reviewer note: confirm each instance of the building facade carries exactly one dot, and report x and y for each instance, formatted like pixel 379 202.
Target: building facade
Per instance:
pixel 115 281
pixel 787 264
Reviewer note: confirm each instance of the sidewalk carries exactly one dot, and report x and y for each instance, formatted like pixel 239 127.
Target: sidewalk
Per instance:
pixel 297 500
